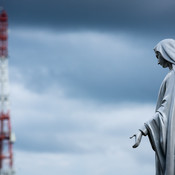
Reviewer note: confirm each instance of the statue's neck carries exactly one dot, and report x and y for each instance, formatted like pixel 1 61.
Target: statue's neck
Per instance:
pixel 173 67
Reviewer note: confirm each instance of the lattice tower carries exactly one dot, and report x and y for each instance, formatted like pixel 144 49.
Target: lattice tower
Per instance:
pixel 6 136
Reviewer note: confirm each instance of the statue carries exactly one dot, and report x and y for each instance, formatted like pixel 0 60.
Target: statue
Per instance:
pixel 161 128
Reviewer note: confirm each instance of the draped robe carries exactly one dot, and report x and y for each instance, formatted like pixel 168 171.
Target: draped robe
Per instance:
pixel 161 128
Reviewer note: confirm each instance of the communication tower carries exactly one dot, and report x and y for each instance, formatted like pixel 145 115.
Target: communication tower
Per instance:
pixel 6 136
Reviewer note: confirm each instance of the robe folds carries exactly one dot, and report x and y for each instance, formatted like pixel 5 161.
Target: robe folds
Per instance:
pixel 161 128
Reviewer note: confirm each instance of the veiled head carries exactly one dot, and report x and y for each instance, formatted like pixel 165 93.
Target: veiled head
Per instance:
pixel 166 48
pixel 165 52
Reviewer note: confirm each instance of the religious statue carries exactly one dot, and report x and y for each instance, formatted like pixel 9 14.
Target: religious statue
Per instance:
pixel 161 128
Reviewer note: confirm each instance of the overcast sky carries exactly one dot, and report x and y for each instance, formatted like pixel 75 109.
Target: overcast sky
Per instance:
pixel 84 78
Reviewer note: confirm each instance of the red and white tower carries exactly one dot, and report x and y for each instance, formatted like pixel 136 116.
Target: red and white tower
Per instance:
pixel 6 136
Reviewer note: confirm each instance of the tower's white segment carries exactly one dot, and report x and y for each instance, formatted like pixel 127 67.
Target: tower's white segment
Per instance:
pixel 4 86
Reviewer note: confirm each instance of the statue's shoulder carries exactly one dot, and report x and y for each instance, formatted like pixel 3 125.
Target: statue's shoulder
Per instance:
pixel 169 77
pixel 170 74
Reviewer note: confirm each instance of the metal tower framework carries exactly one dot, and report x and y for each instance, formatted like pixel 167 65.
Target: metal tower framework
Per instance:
pixel 6 154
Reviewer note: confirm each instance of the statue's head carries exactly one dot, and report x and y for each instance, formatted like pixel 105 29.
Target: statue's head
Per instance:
pixel 165 52
pixel 164 63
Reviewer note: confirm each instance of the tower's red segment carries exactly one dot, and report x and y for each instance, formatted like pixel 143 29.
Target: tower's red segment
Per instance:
pixel 5 141
pixel 3 34
pixel 3 17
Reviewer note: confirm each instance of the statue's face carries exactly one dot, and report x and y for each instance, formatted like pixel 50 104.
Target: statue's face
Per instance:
pixel 162 61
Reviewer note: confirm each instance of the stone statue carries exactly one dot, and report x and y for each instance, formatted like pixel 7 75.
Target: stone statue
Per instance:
pixel 161 128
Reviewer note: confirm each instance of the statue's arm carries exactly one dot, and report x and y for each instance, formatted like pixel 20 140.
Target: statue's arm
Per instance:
pixel 163 106
pixel 143 131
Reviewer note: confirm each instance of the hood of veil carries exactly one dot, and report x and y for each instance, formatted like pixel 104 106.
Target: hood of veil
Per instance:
pixel 166 48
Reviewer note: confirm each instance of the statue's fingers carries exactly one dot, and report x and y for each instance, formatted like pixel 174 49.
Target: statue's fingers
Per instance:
pixel 132 136
pixel 136 145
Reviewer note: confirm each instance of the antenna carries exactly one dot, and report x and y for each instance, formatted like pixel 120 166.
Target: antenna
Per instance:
pixel 6 136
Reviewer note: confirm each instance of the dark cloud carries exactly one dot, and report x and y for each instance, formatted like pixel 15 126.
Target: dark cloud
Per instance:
pixel 88 68
pixel 110 14
pixel 103 67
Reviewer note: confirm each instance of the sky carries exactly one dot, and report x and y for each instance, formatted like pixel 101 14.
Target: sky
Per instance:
pixel 83 79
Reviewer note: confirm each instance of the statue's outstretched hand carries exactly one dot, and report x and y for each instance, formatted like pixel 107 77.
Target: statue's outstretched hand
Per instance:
pixel 138 138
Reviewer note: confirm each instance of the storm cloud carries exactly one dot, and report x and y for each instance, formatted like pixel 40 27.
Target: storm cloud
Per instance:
pixel 100 66
pixel 147 16
pixel 87 46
